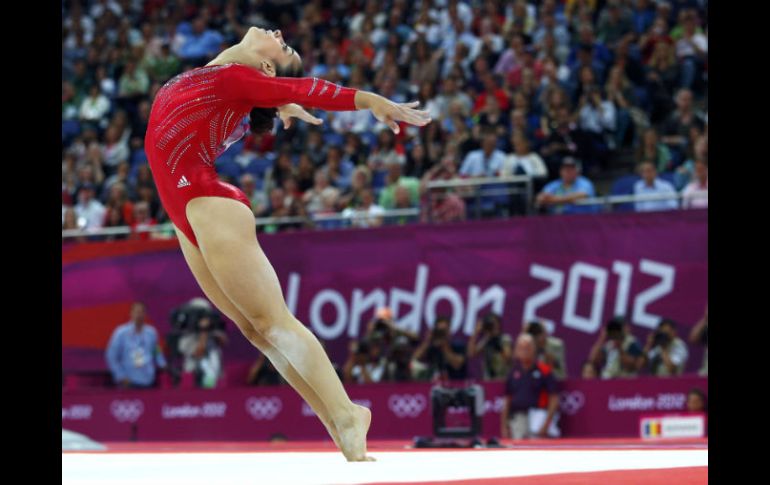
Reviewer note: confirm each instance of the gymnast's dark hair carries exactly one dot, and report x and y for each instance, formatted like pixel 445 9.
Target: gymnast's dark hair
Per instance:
pixel 261 119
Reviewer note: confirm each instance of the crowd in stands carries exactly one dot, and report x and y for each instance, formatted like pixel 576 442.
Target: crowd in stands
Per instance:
pixel 562 91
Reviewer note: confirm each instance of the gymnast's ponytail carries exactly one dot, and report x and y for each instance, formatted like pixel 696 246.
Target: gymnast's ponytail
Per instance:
pixel 261 119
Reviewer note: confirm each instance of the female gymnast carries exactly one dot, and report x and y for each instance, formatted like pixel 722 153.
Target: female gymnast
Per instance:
pixel 196 116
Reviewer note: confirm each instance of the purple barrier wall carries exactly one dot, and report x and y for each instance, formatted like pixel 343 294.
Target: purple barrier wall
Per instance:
pixel 573 271
pixel 400 411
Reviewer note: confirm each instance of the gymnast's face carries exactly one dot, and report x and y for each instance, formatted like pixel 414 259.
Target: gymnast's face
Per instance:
pixel 269 50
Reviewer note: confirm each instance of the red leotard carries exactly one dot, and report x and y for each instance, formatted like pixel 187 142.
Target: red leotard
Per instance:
pixel 197 114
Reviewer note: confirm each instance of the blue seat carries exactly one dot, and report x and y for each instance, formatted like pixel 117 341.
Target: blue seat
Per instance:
pixel 333 139
pixel 258 166
pixel 624 186
pixel 138 156
pixel 230 169
pixel 378 179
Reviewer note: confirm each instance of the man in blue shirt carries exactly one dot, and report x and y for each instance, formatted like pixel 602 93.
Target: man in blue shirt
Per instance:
pixel 558 196
pixel 484 162
pixel 199 41
pixel 133 351
pixel 651 184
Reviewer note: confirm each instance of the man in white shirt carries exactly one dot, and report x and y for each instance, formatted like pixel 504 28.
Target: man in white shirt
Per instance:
pixel 89 209
pixel 484 162
pixel 651 184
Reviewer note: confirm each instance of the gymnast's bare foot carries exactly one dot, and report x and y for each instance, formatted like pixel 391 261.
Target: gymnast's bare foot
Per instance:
pixel 352 434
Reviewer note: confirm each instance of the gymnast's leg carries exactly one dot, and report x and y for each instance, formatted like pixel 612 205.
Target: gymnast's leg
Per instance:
pixel 217 297
pixel 226 235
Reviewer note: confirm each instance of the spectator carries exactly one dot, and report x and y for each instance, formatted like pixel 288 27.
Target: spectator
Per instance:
pixel 386 152
pixel 366 362
pixel 197 41
pixel 562 138
pixel 134 82
pixel 549 349
pixel 115 149
pixel 597 121
pixel 484 162
pixel 394 180
pixel 95 107
pixel 133 353
pixel 143 221
pixel 691 51
pixel 497 347
pixel 444 356
pixel 665 354
pixel 558 196
pixel 652 185
pixel 616 351
pixel 202 351
pixel 88 209
pixel 367 213
pixel 652 149
pixel 695 194
pixel 530 392
pixel 359 181
pixel 313 198
pixel 676 129
pixel 337 170
pixel 699 335
pixel 162 67
pixel 248 185
pixel 451 94
pixel 523 161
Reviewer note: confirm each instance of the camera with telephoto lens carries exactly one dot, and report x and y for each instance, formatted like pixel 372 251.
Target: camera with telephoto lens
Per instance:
pixel 381 325
pixel 488 323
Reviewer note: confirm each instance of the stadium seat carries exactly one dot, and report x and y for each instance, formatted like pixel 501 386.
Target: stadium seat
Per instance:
pixel 624 186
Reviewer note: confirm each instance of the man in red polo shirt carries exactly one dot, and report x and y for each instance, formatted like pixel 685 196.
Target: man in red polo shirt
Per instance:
pixel 530 392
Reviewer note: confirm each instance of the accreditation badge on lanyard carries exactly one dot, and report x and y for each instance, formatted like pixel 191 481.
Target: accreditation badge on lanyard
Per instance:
pixel 138 355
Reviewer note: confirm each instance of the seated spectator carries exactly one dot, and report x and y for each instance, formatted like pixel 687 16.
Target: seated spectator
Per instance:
pixel 652 185
pixel 142 221
pixel 248 184
pixel 691 51
pixel 561 140
pixel 366 362
pixel 616 351
pixel 530 391
pixel 484 162
pixel 696 194
pixel 651 148
pixel 597 119
pixel 95 107
pixel 386 152
pixel 134 82
pixel 202 351
pixel 497 347
pixel 367 213
pixel 523 161
pixel 665 354
pixel 445 357
pixel 133 352
pixel 163 66
pixel 89 209
pixel 699 335
pixel 313 197
pixel 676 130
pixel 549 349
pixel 337 170
pixel 198 41
pixel 359 181
pixel 558 196
pixel 394 180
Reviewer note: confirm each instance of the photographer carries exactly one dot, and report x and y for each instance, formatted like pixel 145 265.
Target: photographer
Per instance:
pixel 382 326
pixel 202 351
pixel 401 367
pixel 665 354
pixel 549 349
pixel 700 335
pixel 365 362
pixel 616 351
pixel 444 357
pixel 497 347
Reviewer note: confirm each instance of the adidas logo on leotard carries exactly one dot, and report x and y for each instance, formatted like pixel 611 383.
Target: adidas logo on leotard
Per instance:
pixel 183 182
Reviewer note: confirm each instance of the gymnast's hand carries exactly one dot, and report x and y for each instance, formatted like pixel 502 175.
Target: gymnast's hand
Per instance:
pixel 391 113
pixel 289 111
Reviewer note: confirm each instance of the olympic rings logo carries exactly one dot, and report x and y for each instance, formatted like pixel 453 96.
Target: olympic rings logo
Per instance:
pixel 571 402
pixel 403 405
pixel 127 411
pixel 264 407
